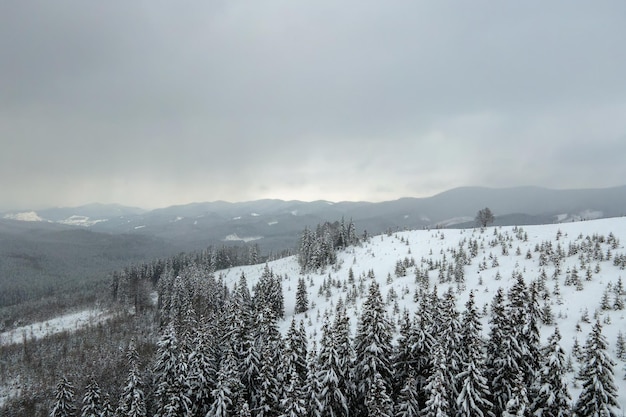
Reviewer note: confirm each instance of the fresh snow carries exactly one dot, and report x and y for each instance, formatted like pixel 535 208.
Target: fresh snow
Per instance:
pixel 84 221
pixel 381 253
pixel 235 237
pixel 67 322
pixel 27 216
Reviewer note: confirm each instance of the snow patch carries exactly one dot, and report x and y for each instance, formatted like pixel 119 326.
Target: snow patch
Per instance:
pixel 234 237
pixel 67 322
pixel 83 221
pixel 26 216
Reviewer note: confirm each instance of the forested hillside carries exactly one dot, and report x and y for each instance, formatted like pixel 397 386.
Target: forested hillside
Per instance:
pixel 498 321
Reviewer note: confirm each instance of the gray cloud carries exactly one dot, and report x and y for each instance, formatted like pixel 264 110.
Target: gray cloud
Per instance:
pixel 153 103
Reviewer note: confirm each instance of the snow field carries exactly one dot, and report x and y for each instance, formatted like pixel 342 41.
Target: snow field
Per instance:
pixel 381 254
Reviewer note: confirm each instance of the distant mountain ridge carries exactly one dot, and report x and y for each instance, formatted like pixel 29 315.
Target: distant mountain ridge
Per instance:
pixel 276 224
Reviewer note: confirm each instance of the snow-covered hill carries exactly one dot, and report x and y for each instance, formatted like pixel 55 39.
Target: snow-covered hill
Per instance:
pixel 588 247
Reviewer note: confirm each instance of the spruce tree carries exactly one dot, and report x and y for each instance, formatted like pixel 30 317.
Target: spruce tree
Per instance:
pixel 437 404
pixel 92 400
pixel 422 342
pixel 302 300
pixel 225 394
pixel 293 403
pixel 402 360
pixel 171 377
pixel 378 402
pixel 503 354
pixel 473 397
pixel 599 393
pixel 452 345
pixel 373 347
pixel 333 384
pixel 64 400
pixel 552 398
pixel 132 402
pixel 407 404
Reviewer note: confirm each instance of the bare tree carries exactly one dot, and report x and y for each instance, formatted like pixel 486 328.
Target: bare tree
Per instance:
pixel 484 217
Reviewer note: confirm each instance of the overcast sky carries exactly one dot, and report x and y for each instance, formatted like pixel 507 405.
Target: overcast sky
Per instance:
pixel 152 103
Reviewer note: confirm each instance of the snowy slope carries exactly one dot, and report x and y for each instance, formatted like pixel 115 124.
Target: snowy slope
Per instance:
pixel 381 254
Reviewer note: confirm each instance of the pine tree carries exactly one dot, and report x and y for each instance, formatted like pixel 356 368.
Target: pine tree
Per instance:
pixel 225 395
pixel 92 400
pixel 552 397
pixel 402 360
pixel 202 370
pixel 599 393
pixel 312 390
pixel 437 404
pixel 64 400
pixel 107 408
pixel 377 402
pixel 171 377
pixel 372 346
pixel 422 344
pixel 296 350
pixel 293 404
pixel 408 404
pixel 333 384
pixel 620 346
pixel 452 345
pixel 503 354
pixel 473 398
pixel 517 404
pixel 302 300
pixel 132 402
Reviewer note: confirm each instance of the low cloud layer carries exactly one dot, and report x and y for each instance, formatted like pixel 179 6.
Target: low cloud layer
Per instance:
pixel 152 103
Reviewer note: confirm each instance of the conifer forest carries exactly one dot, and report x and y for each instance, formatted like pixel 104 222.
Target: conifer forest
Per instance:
pixel 483 322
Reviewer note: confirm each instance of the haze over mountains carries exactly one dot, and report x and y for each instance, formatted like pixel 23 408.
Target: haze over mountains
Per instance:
pixel 275 224
pixel 60 250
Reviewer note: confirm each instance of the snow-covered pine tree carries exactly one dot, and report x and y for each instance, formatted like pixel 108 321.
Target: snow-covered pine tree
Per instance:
pixel 227 393
pixel 402 359
pixel 202 369
pixel 132 402
pixel 64 400
pixel 107 408
pixel 302 298
pixel 599 393
pixel 333 390
pixel 473 397
pixel 170 377
pixel 437 404
pixel 270 377
pixel 407 404
pixel 293 403
pixel 552 398
pixel 422 344
pixel 503 355
pixel 92 400
pixel 452 344
pixel 378 402
pixel 517 404
pixel 296 350
pixel 312 389
pixel 373 348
